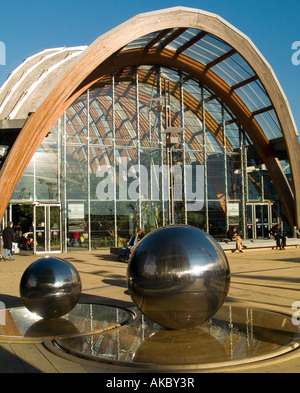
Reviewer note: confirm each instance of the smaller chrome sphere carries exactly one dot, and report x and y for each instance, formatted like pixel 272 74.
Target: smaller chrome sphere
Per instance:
pixel 50 287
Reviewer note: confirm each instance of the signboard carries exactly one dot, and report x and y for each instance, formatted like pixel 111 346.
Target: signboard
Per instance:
pixel 233 213
pixel 76 211
pixel 233 210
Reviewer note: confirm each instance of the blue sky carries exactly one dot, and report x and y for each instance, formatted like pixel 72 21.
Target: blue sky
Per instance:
pixel 27 27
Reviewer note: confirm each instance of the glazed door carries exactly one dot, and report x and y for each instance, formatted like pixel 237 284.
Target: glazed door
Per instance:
pixel 47 228
pixel 259 220
pixel 262 221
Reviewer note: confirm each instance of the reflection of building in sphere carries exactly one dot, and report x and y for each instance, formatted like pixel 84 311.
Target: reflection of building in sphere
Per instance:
pixel 172 260
pixel 50 287
pixel 46 328
pixel 178 276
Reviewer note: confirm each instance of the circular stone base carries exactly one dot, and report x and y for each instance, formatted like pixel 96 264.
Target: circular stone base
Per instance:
pixel 126 338
pixel 233 336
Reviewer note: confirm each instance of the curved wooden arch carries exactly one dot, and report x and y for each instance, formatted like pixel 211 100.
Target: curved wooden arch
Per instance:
pixel 77 79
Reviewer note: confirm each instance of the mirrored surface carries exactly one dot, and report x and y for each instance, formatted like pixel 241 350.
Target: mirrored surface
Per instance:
pixel 83 319
pixel 50 287
pixel 178 276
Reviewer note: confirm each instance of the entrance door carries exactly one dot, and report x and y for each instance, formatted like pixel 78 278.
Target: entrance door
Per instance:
pixel 259 220
pixel 47 228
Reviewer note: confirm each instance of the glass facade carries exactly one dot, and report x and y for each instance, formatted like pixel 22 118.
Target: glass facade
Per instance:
pixel 144 149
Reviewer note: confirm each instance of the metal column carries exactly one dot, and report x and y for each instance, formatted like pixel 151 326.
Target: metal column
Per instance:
pixel 114 160
pixel 243 189
pixel 160 136
pixel 64 173
pixel 89 170
pixel 138 142
pixel 183 148
pixel 205 161
pixel 225 164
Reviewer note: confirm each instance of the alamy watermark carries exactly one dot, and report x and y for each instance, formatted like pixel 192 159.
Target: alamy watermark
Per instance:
pixel 296 54
pixel 152 184
pixel 2 53
pixel 296 314
pixel 2 314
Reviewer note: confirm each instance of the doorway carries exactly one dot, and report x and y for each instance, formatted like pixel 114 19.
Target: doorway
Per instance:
pixel 260 218
pixel 47 228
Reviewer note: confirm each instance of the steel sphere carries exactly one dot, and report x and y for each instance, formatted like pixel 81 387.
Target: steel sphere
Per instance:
pixel 178 276
pixel 50 287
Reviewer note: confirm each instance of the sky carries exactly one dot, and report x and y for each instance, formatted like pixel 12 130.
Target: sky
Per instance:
pixel 27 27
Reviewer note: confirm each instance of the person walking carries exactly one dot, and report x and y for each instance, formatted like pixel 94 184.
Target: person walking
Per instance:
pixel 8 240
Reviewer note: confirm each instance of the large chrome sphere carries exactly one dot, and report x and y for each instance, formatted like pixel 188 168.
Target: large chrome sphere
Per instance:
pixel 178 276
pixel 50 287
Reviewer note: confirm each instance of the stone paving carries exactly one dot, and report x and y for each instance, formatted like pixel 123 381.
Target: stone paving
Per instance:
pixel 262 279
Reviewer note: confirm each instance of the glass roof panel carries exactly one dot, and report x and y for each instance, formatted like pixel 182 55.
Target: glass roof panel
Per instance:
pixel 207 48
pixel 215 110
pixel 190 34
pixel 142 41
pixel 254 96
pixel 162 41
pixel 232 134
pixel 244 68
pixel 177 42
pixel 192 87
pixel 224 72
pixel 194 123
pixel 199 53
pixel 216 45
pixel 233 70
pixel 168 73
pixel 211 143
pixel 269 124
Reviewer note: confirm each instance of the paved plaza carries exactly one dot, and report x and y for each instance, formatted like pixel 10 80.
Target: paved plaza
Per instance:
pixel 265 279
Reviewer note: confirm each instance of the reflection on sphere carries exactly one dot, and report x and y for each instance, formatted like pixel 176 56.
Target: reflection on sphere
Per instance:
pixel 50 287
pixel 178 276
pixel 184 346
pixel 52 327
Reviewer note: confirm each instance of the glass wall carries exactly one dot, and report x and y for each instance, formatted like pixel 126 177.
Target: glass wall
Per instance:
pixel 145 150
pixel 40 181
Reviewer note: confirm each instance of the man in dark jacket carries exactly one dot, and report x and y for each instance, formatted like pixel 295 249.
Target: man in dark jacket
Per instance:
pixel 278 236
pixel 8 239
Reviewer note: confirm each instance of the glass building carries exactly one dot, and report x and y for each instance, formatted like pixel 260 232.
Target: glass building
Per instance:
pixel 177 127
